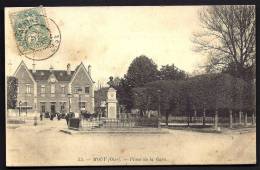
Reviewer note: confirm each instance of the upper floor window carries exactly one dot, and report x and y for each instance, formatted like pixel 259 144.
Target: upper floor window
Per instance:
pixel 52 88
pixel 77 90
pixel 62 106
pixel 42 89
pixel 62 89
pixel 87 90
pixel 28 88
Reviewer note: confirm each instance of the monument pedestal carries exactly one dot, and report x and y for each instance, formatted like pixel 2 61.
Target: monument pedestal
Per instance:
pixel 111 104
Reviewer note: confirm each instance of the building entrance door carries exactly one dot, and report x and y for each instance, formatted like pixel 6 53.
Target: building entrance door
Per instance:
pixel 43 107
pixel 53 109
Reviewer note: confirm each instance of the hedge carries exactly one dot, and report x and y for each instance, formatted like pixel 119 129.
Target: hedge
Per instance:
pixel 209 91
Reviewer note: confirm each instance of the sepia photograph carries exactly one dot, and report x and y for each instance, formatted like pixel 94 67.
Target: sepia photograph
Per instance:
pixel 130 85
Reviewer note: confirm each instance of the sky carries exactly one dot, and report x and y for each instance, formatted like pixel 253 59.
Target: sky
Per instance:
pixel 109 38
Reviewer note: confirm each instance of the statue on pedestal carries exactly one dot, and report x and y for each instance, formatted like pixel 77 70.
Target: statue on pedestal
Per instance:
pixel 111 100
pixel 110 82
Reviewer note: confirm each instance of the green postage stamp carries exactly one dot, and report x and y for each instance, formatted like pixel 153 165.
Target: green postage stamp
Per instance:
pixel 31 30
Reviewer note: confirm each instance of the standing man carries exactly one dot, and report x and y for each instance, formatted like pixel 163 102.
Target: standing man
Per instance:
pixel 41 115
pixel 67 118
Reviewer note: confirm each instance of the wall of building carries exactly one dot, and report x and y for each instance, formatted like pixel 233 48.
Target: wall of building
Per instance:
pixel 82 80
pixel 59 97
pixel 24 79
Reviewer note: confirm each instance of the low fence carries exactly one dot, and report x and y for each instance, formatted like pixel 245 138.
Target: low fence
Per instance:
pixel 230 121
pixel 81 123
pixel 131 122
pixel 184 120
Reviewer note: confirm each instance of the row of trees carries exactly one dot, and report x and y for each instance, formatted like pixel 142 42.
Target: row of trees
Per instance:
pixel 209 93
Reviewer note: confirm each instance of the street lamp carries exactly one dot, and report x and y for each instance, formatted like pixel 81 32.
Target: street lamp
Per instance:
pixel 69 96
pixel 79 103
pixel 20 102
pixel 26 103
pixel 159 108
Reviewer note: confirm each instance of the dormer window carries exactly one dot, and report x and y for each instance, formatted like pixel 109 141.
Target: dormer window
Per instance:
pixel 52 79
pixel 52 88
pixel 42 89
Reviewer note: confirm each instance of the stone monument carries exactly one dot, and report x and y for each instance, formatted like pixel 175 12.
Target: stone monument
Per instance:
pixel 111 101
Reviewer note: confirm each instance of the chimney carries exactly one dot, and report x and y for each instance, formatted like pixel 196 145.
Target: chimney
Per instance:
pixel 68 69
pixel 89 70
pixel 51 68
pixel 33 70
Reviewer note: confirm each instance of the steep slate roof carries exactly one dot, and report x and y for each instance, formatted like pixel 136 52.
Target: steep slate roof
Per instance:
pixel 61 75
pixel 43 75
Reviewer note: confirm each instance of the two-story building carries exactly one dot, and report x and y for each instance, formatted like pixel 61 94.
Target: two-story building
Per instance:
pixel 55 90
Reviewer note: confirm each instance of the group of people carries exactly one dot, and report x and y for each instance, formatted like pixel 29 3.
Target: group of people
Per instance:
pixel 52 115
pixel 59 116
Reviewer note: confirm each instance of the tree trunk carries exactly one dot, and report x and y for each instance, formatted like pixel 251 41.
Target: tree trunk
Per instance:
pixel 188 119
pixel 245 119
pixel 230 119
pixel 253 118
pixel 141 113
pixel 216 120
pixel 240 117
pixel 204 117
pixel 166 117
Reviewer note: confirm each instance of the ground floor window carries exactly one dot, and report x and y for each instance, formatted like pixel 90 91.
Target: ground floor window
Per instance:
pixel 43 107
pixel 82 105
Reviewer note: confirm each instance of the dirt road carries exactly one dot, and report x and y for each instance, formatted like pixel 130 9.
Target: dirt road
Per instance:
pixel 45 145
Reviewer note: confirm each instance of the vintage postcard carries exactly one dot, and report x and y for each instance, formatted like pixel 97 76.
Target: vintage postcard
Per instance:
pixel 143 85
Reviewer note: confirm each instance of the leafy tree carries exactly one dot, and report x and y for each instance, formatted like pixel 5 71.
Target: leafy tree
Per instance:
pixel 171 72
pixel 142 70
pixel 228 38
pixel 124 94
pixel 12 83
pixel 165 93
pixel 141 99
